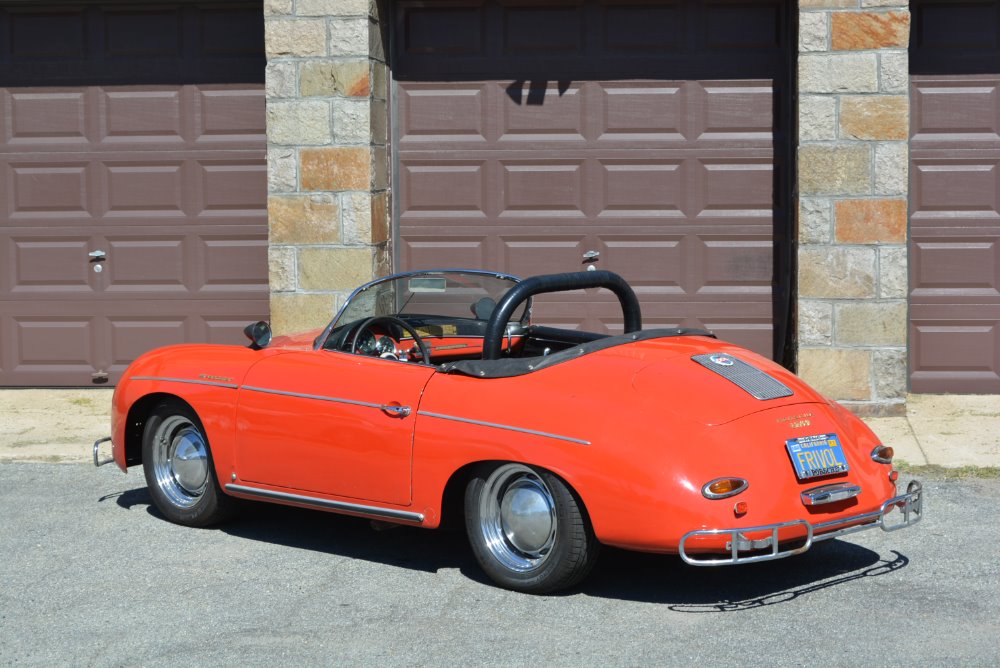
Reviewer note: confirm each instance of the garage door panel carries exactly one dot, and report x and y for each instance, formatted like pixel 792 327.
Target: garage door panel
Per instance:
pixel 637 130
pixel 230 264
pixel 136 130
pixel 955 110
pixel 48 190
pixel 41 266
pixel 468 249
pixel 950 186
pixel 949 267
pixel 537 186
pixel 45 116
pixel 960 351
pixel 955 197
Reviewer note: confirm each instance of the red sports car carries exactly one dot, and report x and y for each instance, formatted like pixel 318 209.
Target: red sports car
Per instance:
pixel 431 395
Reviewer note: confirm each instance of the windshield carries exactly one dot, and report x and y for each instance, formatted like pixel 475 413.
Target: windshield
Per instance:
pixel 430 296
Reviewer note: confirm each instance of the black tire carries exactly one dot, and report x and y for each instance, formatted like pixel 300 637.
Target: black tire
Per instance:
pixel 179 469
pixel 528 529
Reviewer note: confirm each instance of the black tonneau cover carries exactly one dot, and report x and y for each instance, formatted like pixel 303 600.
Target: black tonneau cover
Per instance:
pixel 508 367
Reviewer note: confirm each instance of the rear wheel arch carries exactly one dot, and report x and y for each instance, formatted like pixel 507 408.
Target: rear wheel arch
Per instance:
pixel 529 529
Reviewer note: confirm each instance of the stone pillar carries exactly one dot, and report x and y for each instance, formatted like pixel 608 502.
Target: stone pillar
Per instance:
pixel 853 85
pixel 328 209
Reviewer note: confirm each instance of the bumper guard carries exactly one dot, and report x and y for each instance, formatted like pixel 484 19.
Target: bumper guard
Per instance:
pixel 97 452
pixel 910 504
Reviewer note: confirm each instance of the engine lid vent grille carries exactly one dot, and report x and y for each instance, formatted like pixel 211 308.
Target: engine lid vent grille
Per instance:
pixel 749 378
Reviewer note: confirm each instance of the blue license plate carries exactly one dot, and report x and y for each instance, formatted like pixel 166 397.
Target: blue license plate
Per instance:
pixel 816 456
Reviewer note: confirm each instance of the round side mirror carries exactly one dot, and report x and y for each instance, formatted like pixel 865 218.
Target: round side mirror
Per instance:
pixel 259 334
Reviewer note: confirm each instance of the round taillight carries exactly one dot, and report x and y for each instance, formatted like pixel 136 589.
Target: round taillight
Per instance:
pixel 723 488
pixel 882 454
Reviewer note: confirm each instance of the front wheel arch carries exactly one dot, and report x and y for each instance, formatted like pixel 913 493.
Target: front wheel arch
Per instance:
pixel 135 422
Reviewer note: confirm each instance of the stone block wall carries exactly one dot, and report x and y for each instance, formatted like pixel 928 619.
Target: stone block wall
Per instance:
pixel 853 117
pixel 328 183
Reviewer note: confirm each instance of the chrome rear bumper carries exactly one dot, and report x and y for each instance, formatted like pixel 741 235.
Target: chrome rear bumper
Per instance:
pixel 909 504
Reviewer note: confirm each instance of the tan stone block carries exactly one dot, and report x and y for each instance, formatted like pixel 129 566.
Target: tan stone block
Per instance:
pixel 383 259
pixel 380 168
pixel 870 324
pixel 838 73
pixel 380 218
pixel 277 7
pixel 351 120
pixel 883 117
pixel 870 221
pixel 334 268
pixel 281 268
pixel 332 8
pixel 815 221
pixel 335 168
pixel 893 275
pixel 294 37
pixel 349 78
pixel 348 37
pixel 892 168
pixel 379 123
pixel 894 71
pixel 817 118
pixel 298 122
pixel 834 170
pixel 890 373
pixel 838 373
pixel 813 31
pixel 834 272
pixel 885 3
pixel 380 81
pixel 281 169
pixel 295 312
pixel 357 209
pixel 303 219
pixel 279 76
pixel 854 31
pixel 815 323
pixel 827 4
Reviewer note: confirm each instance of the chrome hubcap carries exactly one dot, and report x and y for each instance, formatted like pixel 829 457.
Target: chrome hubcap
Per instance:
pixel 180 461
pixel 517 517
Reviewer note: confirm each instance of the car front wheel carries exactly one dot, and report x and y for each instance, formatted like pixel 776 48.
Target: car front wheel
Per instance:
pixel 178 466
pixel 528 530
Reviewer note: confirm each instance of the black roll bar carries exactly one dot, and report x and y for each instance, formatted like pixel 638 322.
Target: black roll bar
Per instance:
pixel 497 325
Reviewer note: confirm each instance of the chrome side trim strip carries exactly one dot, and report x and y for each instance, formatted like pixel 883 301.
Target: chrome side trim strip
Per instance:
pixel 504 426
pixel 327 504
pixel 189 381
pixel 317 397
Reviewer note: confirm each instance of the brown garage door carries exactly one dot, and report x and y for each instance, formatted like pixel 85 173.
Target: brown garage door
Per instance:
pixel 955 197
pixel 531 134
pixel 134 183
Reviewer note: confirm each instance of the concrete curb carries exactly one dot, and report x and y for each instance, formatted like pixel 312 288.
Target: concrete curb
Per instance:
pixel 939 430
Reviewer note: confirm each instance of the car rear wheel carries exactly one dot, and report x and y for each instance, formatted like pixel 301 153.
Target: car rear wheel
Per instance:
pixel 528 530
pixel 178 466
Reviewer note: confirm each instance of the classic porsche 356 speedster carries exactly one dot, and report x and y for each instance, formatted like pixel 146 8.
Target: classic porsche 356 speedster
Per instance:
pixel 432 397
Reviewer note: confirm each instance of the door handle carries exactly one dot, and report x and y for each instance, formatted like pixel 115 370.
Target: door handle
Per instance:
pixel 97 254
pixel 395 411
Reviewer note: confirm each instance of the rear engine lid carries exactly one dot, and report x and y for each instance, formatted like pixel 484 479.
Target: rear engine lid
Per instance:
pixel 714 388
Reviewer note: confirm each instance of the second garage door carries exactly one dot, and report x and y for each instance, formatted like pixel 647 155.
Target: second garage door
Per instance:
pixel 648 139
pixel 133 173
pixel 955 197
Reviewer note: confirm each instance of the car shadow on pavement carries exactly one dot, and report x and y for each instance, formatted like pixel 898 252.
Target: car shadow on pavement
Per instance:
pixel 619 574
pixel 666 579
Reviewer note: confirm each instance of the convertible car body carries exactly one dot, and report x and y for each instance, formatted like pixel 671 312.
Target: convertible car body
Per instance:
pixel 431 395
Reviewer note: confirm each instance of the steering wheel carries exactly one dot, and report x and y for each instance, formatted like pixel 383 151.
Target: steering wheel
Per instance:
pixel 392 320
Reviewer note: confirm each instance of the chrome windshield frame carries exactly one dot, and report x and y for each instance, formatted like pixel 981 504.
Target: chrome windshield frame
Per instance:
pixel 325 334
